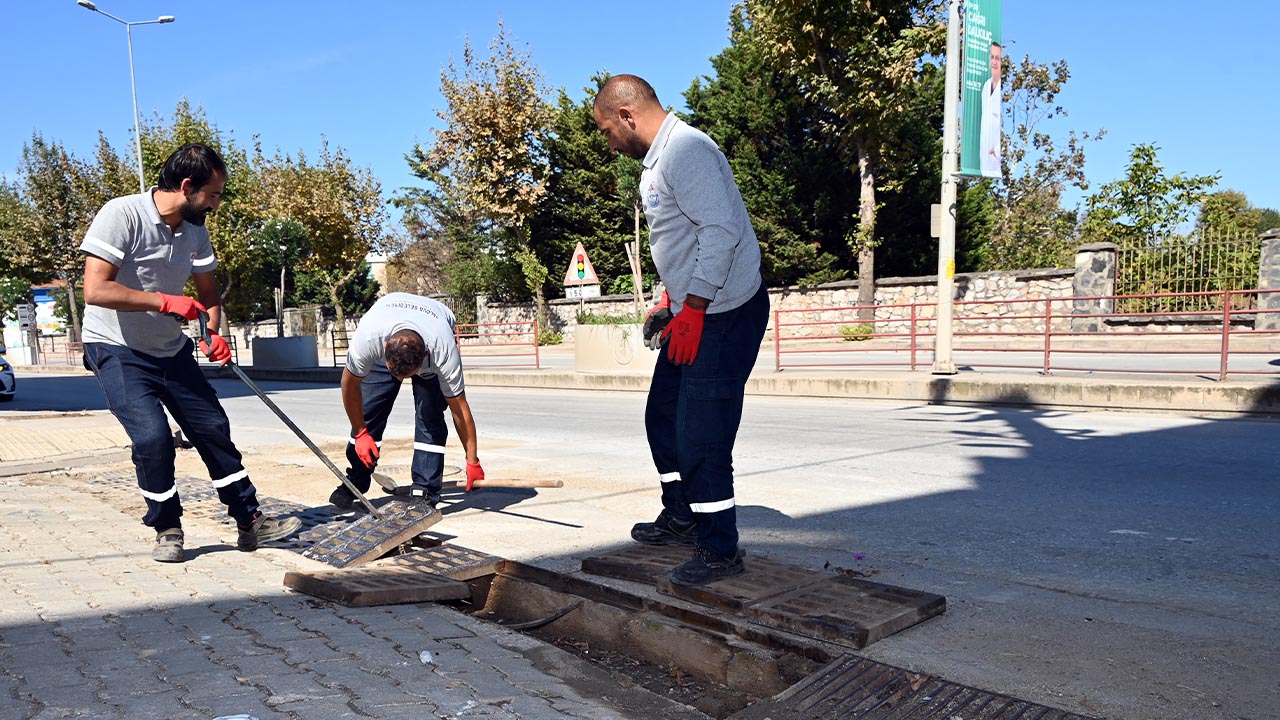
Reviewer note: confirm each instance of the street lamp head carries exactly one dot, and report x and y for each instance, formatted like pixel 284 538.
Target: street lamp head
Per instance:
pixel 165 19
pixel 86 4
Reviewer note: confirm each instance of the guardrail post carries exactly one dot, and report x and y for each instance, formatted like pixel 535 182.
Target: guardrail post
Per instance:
pixel 1048 332
pixel 777 341
pixel 1226 335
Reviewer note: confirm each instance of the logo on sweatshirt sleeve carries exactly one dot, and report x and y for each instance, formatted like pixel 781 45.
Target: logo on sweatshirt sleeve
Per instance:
pixel 651 196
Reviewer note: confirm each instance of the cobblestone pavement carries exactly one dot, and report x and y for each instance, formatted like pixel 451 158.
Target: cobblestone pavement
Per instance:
pixel 91 627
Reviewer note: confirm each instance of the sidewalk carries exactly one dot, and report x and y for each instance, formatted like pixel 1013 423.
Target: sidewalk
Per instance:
pixel 91 627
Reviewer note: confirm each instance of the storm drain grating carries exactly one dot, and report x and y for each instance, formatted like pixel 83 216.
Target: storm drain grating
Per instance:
pixel 837 608
pixel 369 538
pixel 852 687
pixel 434 574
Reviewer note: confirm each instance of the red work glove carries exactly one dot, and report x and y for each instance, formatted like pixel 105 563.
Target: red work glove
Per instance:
pixel 366 447
pixel 684 334
pixel 188 308
pixel 663 302
pixel 216 349
pixel 474 473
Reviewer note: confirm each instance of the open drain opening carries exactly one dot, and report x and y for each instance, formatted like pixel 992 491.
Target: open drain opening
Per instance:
pixel 692 658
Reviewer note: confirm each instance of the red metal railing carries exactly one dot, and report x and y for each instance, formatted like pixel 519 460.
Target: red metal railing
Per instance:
pixel 1042 334
pixel 493 344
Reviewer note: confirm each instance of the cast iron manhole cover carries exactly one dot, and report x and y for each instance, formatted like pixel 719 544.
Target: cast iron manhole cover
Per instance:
pixel 373 585
pixel 369 538
pixel 763 578
pixel 848 611
pixel 853 687
pixel 638 563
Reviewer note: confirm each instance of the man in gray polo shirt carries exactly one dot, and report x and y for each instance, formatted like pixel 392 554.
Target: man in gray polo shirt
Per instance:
pixel 140 250
pixel 405 336
pixel 709 260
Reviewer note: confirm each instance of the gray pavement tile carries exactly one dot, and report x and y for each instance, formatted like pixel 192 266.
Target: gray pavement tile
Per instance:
pixel 483 648
pixel 489 685
pixel 202 686
pixel 68 698
pixel 257 666
pixel 118 685
pixel 445 693
pixel 371 686
pixel 158 705
pixel 436 623
pixel 14 709
pixel 97 662
pixel 327 708
pixel 183 662
pixel 150 623
pixel 28 634
pixel 409 711
pixel 292 687
pixel 83 641
pixel 529 708
pixel 221 648
pixel 278 634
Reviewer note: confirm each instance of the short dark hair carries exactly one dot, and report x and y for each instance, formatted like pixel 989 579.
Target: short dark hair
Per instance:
pixel 193 160
pixel 621 90
pixel 405 353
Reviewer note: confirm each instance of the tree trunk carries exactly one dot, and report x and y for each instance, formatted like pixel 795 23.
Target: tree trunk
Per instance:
pixel 337 286
pixel 866 246
pixel 72 309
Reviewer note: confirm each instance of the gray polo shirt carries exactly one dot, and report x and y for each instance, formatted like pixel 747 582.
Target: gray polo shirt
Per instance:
pixel 402 311
pixel 699 232
pixel 128 233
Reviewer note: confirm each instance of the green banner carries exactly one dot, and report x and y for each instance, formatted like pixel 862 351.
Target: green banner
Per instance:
pixel 980 101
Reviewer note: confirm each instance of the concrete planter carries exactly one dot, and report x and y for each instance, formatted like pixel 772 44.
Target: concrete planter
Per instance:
pixel 612 348
pixel 285 352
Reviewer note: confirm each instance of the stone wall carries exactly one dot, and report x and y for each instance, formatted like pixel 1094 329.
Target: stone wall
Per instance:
pixel 987 295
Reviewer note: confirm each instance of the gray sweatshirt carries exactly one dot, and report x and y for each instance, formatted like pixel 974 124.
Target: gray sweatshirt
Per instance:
pixel 699 233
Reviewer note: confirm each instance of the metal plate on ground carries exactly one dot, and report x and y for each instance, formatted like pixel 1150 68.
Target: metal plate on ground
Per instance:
pixel 369 538
pixel 638 563
pixel 848 611
pixel 450 561
pixel 763 579
pixel 850 686
pixel 377 585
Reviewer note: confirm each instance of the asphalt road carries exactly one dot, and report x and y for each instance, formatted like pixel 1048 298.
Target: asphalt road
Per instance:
pixel 1121 565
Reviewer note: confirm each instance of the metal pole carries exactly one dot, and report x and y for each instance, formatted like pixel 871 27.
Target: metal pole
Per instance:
pixel 942 361
pixel 137 132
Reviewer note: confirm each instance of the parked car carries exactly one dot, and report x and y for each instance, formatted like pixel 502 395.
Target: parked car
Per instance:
pixel 8 384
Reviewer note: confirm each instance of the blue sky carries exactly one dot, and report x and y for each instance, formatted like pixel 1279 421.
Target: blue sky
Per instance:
pixel 1196 79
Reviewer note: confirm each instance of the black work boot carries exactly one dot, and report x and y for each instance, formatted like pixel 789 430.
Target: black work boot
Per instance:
pixel 666 530
pixel 265 529
pixel 707 567
pixel 342 498
pixel 414 493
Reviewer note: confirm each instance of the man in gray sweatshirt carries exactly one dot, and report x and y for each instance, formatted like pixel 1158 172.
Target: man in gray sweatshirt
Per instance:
pixel 709 260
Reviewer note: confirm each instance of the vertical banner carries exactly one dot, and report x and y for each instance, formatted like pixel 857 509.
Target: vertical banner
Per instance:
pixel 981 115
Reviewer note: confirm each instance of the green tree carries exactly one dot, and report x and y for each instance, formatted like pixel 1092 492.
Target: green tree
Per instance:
pixel 1145 207
pixel 61 196
pixel 1228 211
pixel 338 203
pixel 1267 219
pixel 793 182
pixel 590 196
pixel 311 287
pixel 1031 228
pixel 487 166
pixel 861 62
pixel 13 292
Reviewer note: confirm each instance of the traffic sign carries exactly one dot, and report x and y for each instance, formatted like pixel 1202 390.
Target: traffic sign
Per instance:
pixel 580 271
pixel 577 292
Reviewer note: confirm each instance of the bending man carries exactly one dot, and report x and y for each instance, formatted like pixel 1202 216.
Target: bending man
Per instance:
pixel 405 336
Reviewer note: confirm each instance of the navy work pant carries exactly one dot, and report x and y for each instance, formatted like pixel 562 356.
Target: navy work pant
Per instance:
pixel 379 389
pixel 138 388
pixel 692 419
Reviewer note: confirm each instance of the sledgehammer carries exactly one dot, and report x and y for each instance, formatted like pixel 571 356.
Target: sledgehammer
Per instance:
pixel 204 335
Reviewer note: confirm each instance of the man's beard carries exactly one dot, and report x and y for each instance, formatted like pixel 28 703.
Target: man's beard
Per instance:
pixel 191 215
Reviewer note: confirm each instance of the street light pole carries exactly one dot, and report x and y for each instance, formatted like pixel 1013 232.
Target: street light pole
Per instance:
pixel 943 364
pixel 133 85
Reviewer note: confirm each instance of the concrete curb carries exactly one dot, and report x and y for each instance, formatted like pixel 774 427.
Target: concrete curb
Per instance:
pixel 1230 398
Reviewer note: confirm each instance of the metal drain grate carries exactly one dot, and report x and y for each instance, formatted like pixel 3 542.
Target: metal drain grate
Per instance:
pixel 369 538
pixel 853 687
pixel 373 585
pixel 638 563
pixel 763 579
pixel 849 611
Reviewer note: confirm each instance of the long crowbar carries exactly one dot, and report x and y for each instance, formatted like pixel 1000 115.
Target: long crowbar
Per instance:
pixel 204 335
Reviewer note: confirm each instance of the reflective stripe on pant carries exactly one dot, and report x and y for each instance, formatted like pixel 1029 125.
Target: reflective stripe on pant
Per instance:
pixel 692 419
pixel 380 389
pixel 138 389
